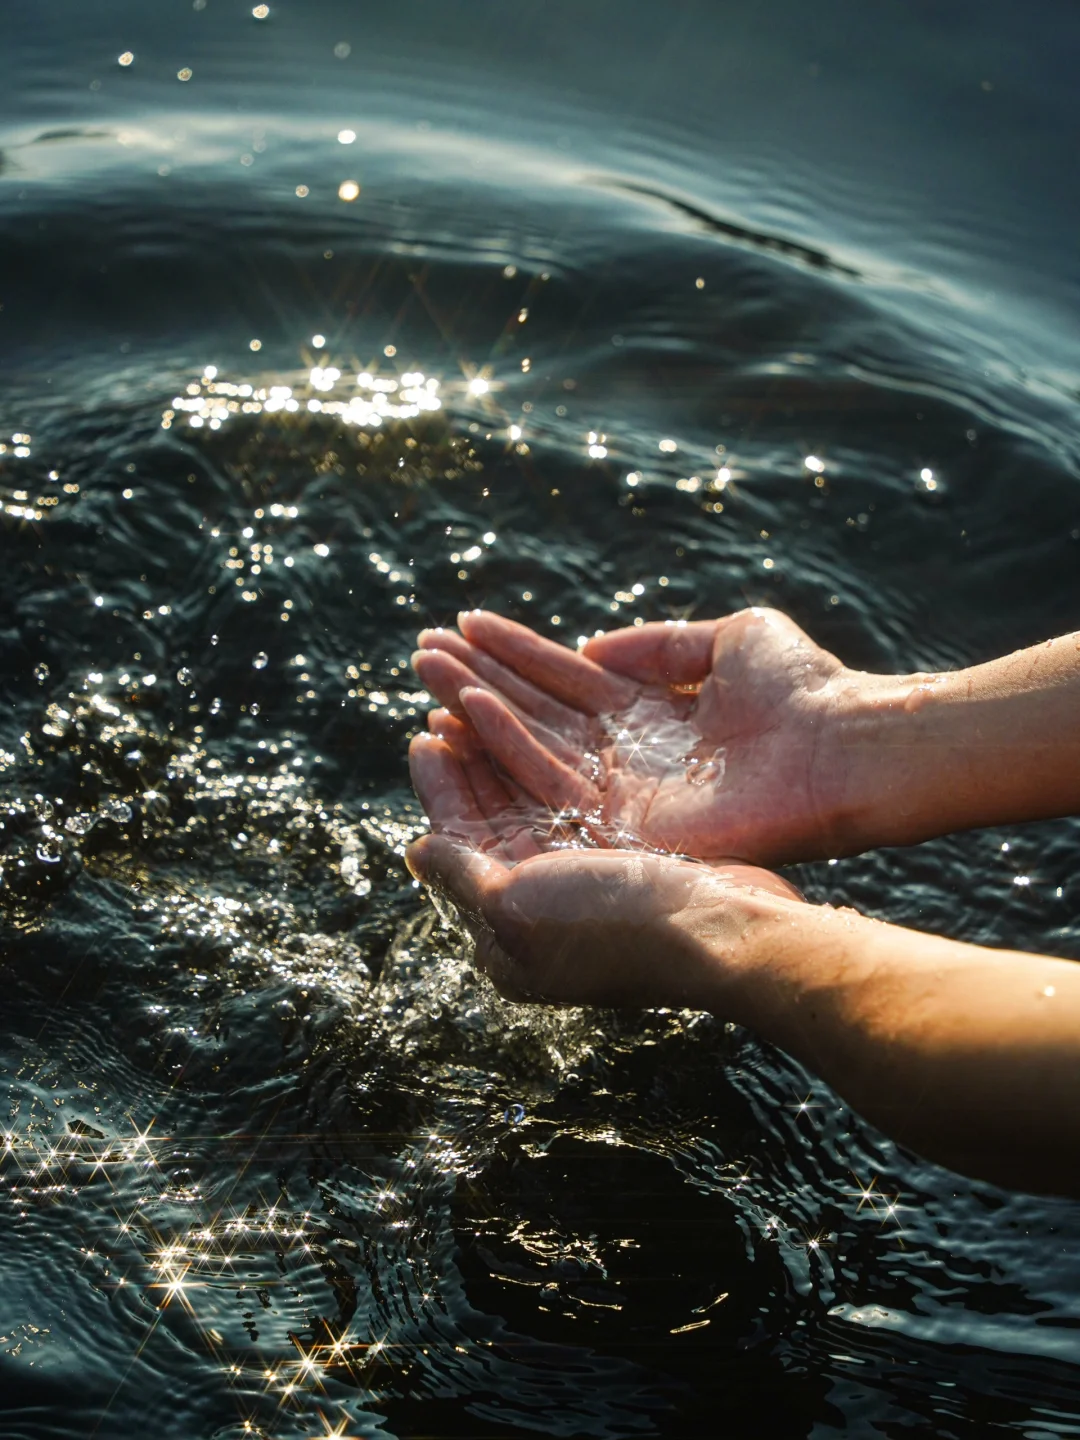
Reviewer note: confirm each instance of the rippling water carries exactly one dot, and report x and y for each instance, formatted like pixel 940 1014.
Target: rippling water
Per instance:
pixel 315 328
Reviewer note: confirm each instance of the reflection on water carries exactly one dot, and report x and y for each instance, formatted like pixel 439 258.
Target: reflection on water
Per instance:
pixel 275 1159
pixel 312 1167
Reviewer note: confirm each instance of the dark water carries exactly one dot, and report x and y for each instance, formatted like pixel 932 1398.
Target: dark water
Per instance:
pixel 276 1162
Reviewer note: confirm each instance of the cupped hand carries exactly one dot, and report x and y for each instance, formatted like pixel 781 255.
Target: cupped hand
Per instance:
pixel 731 737
pixel 574 926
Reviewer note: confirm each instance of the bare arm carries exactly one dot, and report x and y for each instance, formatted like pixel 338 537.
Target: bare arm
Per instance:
pixel 994 744
pixel 969 1056
pixel 740 736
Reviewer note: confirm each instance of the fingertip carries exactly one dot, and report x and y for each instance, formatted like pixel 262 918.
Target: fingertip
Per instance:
pixel 437 661
pixel 457 732
pixel 415 852
pixel 427 858
pixel 477 701
pixel 433 636
pixel 433 768
pixel 427 665
pixel 449 864
pixel 610 652
pixel 422 747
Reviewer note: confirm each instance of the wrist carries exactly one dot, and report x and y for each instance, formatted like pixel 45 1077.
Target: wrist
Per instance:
pixel 805 972
pixel 740 938
pixel 893 742
pixel 926 754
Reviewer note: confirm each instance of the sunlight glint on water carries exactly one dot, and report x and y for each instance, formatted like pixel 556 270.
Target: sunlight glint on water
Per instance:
pixel 341 334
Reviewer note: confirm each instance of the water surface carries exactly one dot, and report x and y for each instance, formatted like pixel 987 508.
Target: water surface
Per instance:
pixel 661 311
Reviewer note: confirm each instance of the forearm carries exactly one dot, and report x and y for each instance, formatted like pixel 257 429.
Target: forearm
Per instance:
pixel 995 744
pixel 969 1056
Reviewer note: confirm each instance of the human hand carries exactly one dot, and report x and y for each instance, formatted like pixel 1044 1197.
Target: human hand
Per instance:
pixel 883 1014
pixel 575 926
pixel 731 737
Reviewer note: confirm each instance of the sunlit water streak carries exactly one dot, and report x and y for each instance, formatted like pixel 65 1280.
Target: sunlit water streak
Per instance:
pixel 301 1249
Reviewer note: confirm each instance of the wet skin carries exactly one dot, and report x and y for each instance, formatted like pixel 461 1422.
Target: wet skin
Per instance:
pixel 554 785
pixel 742 737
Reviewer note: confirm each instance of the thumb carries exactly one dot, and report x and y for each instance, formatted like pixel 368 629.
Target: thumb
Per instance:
pixel 503 972
pixel 467 877
pixel 667 653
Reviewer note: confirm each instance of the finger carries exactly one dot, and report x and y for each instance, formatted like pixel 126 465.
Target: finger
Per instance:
pixel 500 801
pixel 527 698
pixel 492 796
pixel 445 792
pixel 445 676
pixel 497 965
pixel 468 877
pixel 563 673
pixel 753 876
pixel 516 749
pixel 669 653
pixel 457 731
pixel 438 717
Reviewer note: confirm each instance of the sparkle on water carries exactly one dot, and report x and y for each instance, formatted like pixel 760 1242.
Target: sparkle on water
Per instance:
pixel 309 1257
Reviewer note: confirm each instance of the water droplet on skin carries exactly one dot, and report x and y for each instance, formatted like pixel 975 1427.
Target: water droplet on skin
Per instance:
pixel 921 693
pixel 705 771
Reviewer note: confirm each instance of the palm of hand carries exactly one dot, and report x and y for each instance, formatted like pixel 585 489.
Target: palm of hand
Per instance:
pixel 709 739
pixel 568 925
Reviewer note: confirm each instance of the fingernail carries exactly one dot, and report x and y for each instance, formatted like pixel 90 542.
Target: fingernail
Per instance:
pixel 424 740
pixel 431 633
pixel 464 615
pixel 412 861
